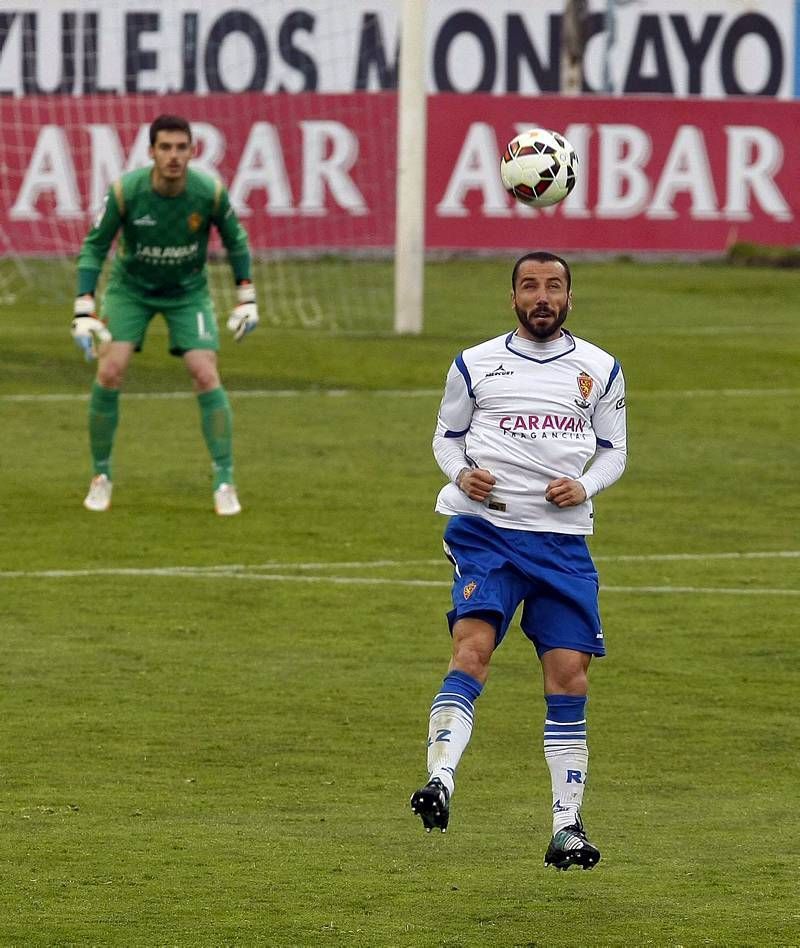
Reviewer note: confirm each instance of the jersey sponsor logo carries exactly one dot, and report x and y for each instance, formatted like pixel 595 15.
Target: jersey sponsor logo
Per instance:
pixel 195 221
pixel 470 588
pixel 516 424
pixel 166 255
pixel 500 370
pixel 620 403
pixel 146 221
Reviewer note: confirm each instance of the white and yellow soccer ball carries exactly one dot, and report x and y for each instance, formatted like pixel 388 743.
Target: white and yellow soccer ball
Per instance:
pixel 539 167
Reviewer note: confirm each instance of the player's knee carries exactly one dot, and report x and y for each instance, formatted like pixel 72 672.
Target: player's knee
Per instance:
pixel 472 662
pixel 110 373
pixel 205 378
pixel 567 681
pixel 203 371
pixel 473 653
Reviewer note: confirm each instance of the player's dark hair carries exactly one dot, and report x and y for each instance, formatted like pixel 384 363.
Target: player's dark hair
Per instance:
pixel 169 123
pixel 541 256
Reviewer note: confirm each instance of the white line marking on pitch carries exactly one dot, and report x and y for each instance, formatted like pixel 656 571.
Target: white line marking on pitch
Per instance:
pixel 392 393
pixel 216 572
pixel 234 569
pixel 677 557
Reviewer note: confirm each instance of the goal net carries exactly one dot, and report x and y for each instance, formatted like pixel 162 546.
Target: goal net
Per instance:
pixel 291 105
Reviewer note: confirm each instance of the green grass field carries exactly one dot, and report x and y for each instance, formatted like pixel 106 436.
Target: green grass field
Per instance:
pixel 210 728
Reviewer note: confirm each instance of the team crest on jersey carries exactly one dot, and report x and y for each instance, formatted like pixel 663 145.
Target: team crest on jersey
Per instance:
pixel 195 221
pixel 585 385
pixel 470 588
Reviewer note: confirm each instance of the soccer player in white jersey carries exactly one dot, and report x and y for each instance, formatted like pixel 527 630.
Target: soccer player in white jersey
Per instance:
pixel 521 418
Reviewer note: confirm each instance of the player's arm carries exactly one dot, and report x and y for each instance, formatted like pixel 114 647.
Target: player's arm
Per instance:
pixel 449 438
pixel 608 465
pixel 610 427
pixel 97 242
pixel 86 329
pixel 244 318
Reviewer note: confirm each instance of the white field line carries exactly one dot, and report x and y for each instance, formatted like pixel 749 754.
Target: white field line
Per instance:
pixel 442 561
pixel 391 393
pixel 269 572
pixel 272 565
pixel 701 557
pixel 375 581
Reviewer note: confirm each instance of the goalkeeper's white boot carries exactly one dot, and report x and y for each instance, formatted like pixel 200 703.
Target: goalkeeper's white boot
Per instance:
pixel 226 503
pixel 99 496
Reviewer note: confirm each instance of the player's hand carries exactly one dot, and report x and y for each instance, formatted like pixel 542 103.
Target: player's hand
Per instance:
pixel 476 483
pixel 244 319
pixel 565 492
pixel 88 331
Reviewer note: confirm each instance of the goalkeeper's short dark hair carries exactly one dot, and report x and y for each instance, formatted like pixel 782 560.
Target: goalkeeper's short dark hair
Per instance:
pixel 169 123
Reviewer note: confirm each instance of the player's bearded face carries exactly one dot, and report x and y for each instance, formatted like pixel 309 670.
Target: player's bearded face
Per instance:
pixel 542 321
pixel 541 298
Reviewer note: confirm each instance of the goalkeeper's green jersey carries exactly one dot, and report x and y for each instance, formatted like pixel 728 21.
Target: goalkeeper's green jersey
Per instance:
pixel 163 242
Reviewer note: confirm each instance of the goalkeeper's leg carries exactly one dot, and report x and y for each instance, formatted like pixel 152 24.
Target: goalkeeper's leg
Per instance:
pixel 103 418
pixel 104 403
pixel 216 421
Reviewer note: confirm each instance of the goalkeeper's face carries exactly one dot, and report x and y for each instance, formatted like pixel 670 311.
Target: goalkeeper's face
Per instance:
pixel 541 299
pixel 171 153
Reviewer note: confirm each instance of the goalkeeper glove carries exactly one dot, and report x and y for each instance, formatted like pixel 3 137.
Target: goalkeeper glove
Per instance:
pixel 87 330
pixel 244 318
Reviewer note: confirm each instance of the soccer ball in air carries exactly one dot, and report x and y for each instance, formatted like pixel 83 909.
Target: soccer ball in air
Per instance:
pixel 538 167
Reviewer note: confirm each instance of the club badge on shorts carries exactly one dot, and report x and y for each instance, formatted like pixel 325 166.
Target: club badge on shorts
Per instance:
pixel 470 588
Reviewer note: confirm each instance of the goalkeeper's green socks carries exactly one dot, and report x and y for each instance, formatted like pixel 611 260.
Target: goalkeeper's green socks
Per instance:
pixel 103 418
pixel 217 422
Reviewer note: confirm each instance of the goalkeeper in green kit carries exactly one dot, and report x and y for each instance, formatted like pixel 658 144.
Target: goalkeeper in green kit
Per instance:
pixel 164 213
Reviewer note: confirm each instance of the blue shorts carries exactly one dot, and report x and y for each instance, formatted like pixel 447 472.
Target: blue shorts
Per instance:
pixel 552 574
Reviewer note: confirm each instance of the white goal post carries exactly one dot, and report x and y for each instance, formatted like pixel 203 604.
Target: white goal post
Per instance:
pixel 409 265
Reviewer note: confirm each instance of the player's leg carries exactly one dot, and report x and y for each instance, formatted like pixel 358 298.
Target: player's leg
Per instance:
pixel 216 423
pixel 127 320
pixel 451 717
pixel 193 335
pixel 485 596
pixel 565 748
pixel 562 620
pixel 567 756
pixel 113 360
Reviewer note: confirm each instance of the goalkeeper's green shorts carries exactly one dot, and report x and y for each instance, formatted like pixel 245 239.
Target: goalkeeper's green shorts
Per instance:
pixel 191 320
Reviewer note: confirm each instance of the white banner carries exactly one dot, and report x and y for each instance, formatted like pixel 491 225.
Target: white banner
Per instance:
pixel 704 48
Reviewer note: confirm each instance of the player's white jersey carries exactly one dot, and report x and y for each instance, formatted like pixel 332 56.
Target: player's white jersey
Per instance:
pixel 528 413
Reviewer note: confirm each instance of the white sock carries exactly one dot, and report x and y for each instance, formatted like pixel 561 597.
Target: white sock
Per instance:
pixel 450 725
pixel 567 755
